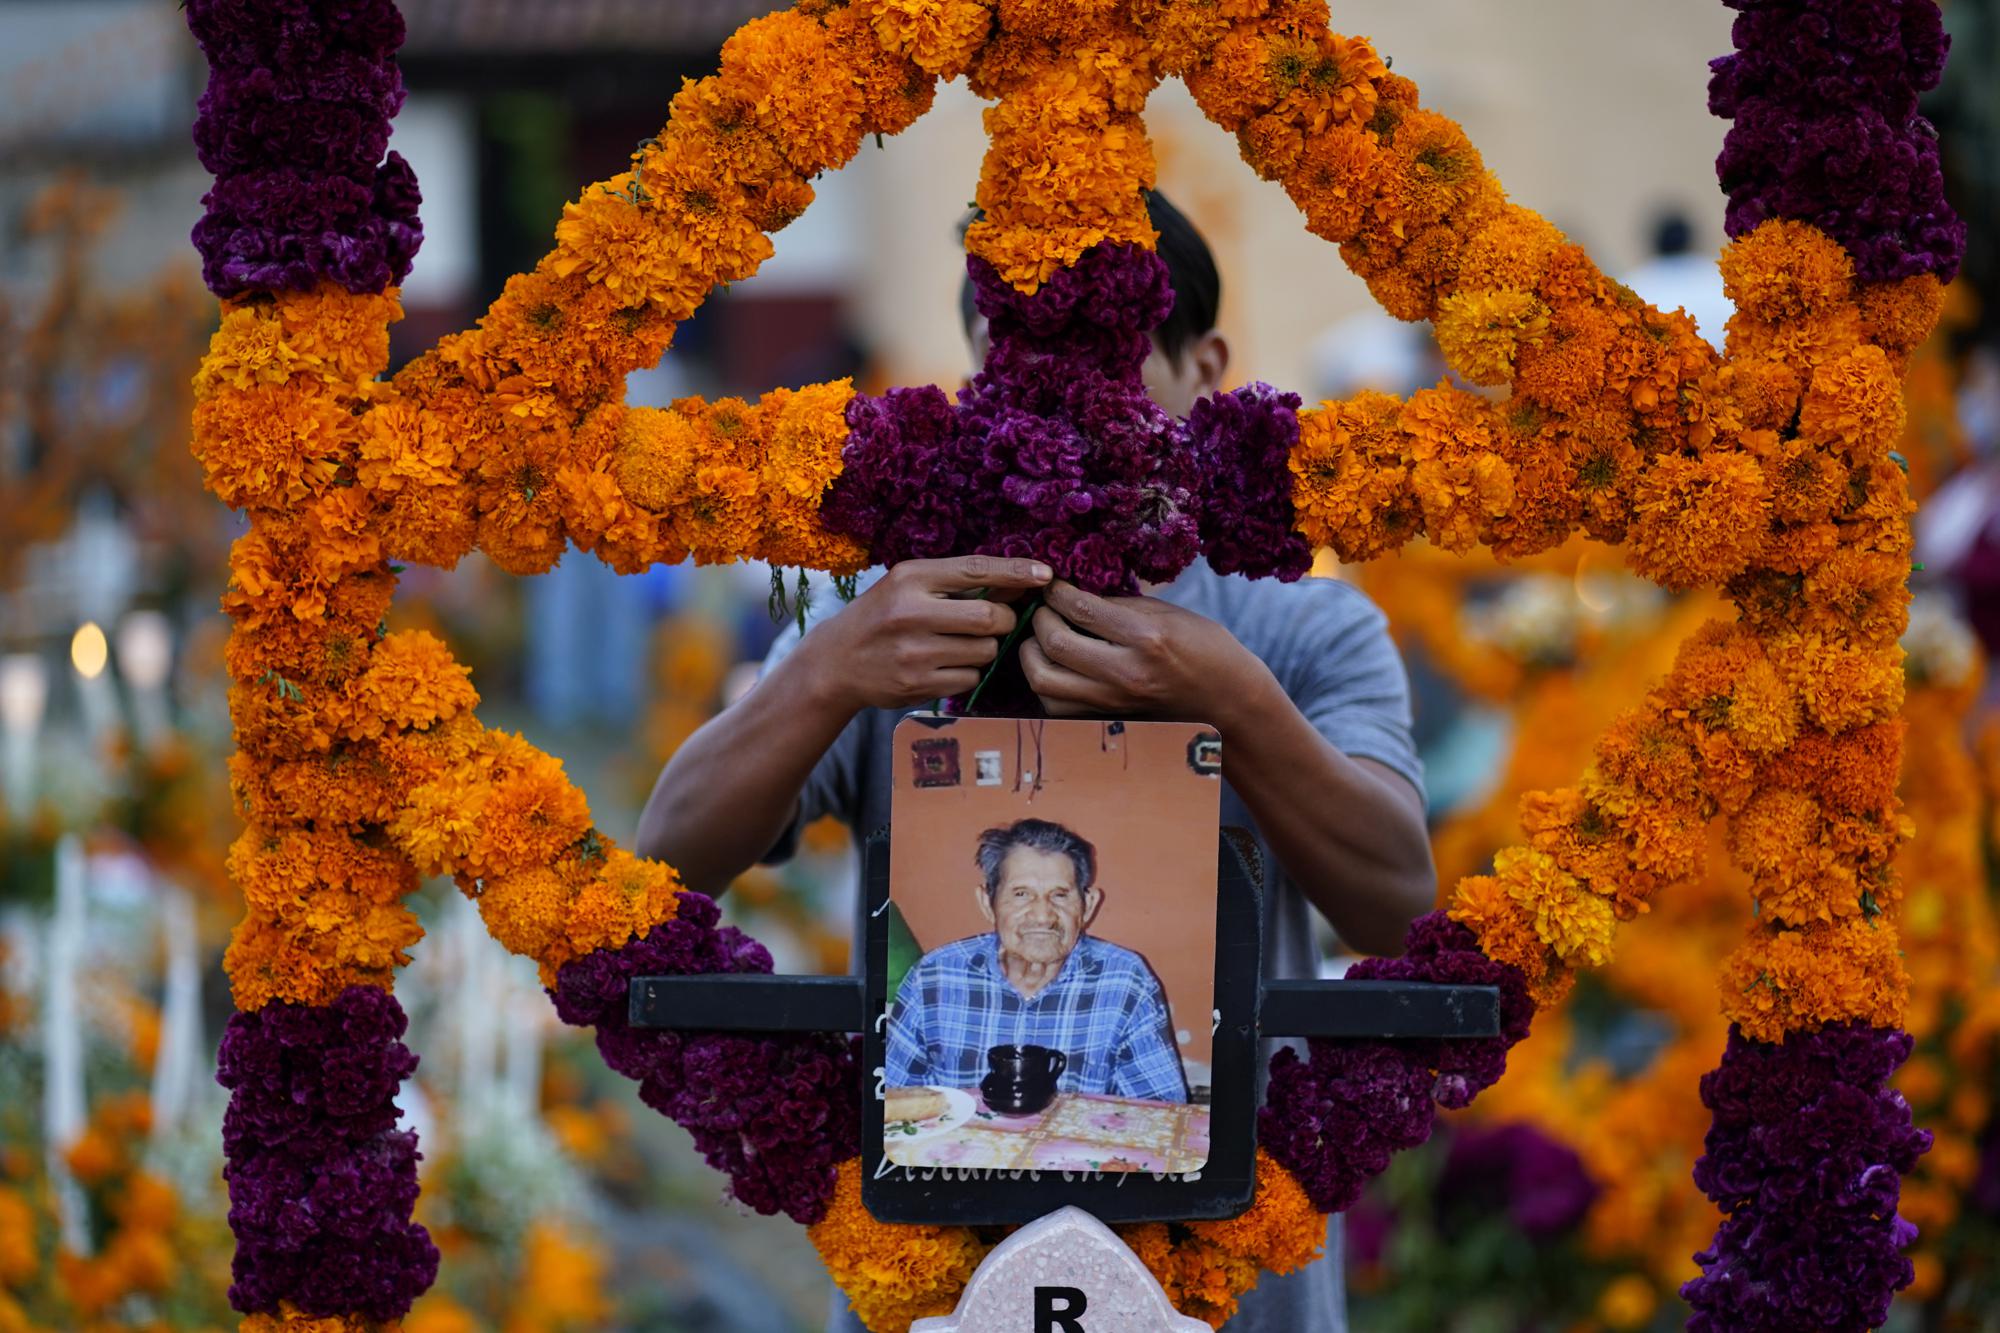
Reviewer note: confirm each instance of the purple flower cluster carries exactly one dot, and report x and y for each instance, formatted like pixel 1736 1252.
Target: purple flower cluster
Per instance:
pixel 321 1182
pixel 1335 1118
pixel 1242 445
pixel 1055 451
pixel 1806 1157
pixel 1538 1182
pixel 1823 94
pixel 293 126
pixel 776 1114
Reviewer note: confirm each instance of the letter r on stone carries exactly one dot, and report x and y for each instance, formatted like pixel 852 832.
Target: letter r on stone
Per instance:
pixel 1050 1319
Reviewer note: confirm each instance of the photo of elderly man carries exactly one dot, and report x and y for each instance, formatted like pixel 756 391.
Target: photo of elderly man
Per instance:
pixel 1038 998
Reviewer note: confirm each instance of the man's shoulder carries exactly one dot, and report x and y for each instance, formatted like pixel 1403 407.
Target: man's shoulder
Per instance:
pixel 1115 962
pixel 1268 607
pixel 958 956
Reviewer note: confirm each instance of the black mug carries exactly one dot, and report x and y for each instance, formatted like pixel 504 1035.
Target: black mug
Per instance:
pixel 1023 1079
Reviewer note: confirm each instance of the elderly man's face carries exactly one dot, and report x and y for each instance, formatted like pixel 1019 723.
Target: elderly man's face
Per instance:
pixel 1037 909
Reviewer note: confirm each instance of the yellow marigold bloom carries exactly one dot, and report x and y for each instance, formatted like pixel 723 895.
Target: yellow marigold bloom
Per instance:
pixel 1841 685
pixel 18 1260
pixel 1280 1233
pixel 292 1320
pixel 600 519
pixel 806 97
pixel 412 681
pixel 1331 178
pixel 527 911
pixel 1183 33
pixel 1697 521
pixel 895 90
pixel 940 36
pixel 1508 252
pixel 278 872
pixel 1459 481
pixel 312 963
pixel 891 1274
pixel 1851 770
pixel 1722 681
pixel 1784 270
pixel 1899 315
pixel 1480 330
pixel 1564 371
pixel 1575 923
pixel 1862 594
pixel 1855 402
pixel 1808 483
pixel 1628 1301
pixel 1434 174
pixel 1350 478
pixel 246 351
pixel 273 445
pixel 1507 935
pixel 438 825
pixel 1827 972
pixel 533 813
pixel 344 335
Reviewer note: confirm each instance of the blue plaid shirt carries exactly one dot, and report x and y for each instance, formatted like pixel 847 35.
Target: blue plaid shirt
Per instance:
pixel 1104 1011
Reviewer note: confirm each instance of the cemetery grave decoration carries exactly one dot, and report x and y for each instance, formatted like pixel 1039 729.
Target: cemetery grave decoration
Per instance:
pixel 1768 473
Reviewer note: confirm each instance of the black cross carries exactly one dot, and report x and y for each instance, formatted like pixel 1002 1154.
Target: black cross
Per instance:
pixel 1253 1007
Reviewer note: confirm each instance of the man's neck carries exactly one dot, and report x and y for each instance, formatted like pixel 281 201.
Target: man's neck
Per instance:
pixel 1028 977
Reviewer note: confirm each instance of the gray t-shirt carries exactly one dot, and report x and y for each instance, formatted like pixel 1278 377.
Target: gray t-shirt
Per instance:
pixel 1329 647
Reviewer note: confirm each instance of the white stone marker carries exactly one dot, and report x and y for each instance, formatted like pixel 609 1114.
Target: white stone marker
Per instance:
pixel 1064 1273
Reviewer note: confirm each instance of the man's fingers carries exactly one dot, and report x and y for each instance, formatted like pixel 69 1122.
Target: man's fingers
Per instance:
pixel 1101 616
pixel 948 616
pixel 963 650
pixel 1059 685
pixel 1064 647
pixel 963 573
pixel 956 680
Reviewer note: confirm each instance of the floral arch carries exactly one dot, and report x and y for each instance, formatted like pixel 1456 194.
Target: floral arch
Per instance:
pixel 1769 473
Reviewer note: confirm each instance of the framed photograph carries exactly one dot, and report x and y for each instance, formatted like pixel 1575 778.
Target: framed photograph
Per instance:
pixel 1064 965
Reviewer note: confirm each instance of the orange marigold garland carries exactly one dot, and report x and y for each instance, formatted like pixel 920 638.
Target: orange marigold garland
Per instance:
pixel 360 764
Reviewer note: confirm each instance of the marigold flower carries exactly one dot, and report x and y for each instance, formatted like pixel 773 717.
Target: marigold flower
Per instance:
pixel 1783 981
pixel 1697 521
pixel 891 1274
pixel 940 36
pixel 1784 270
pixel 1480 330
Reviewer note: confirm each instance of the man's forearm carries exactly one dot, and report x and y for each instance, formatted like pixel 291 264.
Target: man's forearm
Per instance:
pixel 1354 844
pixel 731 789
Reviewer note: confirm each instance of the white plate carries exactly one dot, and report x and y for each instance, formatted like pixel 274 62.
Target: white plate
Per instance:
pixel 959 1106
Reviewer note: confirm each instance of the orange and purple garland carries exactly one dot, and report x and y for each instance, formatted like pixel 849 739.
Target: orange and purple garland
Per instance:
pixel 1053 452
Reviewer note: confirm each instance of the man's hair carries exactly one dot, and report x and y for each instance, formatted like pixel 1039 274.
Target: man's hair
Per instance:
pixel 1036 835
pixel 1673 234
pixel 1190 269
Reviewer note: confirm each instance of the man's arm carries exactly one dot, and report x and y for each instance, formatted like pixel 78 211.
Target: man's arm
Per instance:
pixel 1349 831
pixel 730 792
pixel 1148 1065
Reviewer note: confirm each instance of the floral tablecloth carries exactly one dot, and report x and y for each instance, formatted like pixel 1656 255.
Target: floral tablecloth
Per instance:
pixel 1075 1132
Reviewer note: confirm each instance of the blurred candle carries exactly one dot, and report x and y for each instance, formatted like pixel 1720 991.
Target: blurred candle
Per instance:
pixel 90 653
pixel 63 1104
pixel 145 658
pixel 24 694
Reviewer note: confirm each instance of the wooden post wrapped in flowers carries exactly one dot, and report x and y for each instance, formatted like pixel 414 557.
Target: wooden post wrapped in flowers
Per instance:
pixel 1767 472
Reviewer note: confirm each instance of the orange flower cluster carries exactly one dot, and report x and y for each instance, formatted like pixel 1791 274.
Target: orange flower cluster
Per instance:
pixel 289 1319
pixel 1604 429
pixel 136 1255
pixel 894 1274
pixel 1206 1271
pixel 891 1274
pixel 1949 933
pixel 511 437
pixel 1067 155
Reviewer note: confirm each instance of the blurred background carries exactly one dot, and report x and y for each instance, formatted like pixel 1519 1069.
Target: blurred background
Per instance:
pixel 561 1204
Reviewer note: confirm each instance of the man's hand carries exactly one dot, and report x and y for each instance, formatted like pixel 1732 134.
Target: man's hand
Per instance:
pixel 1133 656
pixel 916 635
